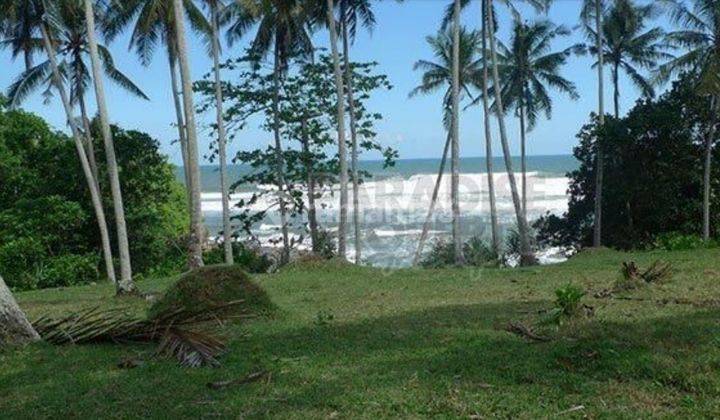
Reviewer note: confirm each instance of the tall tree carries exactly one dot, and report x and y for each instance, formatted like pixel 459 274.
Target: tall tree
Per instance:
pixel 19 28
pixel 216 8
pixel 455 130
pixel 125 285
pixel 528 69
pixel 282 26
pixel 700 38
pixel 342 152
pixel 628 46
pixel 526 254
pixel 437 75
pixel 154 22
pixel 15 329
pixel 195 258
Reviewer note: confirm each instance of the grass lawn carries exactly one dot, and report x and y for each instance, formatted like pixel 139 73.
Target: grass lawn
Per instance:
pixel 355 342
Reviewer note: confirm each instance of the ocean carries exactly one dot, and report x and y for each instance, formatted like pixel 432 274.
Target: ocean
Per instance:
pixel 394 202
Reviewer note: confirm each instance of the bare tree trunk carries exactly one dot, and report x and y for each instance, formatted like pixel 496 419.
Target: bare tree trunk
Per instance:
pixel 342 224
pixel 353 140
pixel 82 155
pixel 222 139
pixel 312 209
pixel 433 201
pixel 526 255
pixel 182 132
pixel 707 171
pixel 195 258
pixel 488 138
pixel 599 158
pixel 104 234
pixel 14 326
pixel 279 159
pixel 126 284
pixel 616 91
pixel 455 145
pixel 523 160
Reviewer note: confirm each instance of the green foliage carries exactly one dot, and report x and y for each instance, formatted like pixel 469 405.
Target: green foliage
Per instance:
pixel 476 251
pixel 325 244
pixel 247 257
pixel 47 222
pixel 653 174
pixel 677 241
pixel 567 304
pixel 210 287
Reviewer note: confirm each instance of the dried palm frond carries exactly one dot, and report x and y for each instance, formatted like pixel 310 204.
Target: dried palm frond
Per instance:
pixel 181 333
pixel 657 272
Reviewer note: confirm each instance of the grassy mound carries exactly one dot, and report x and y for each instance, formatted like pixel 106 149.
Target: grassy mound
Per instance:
pixel 213 286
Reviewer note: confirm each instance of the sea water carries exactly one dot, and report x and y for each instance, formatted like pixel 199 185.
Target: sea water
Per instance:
pixel 394 203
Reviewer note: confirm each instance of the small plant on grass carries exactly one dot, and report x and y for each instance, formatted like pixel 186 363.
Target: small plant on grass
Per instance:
pixel 567 304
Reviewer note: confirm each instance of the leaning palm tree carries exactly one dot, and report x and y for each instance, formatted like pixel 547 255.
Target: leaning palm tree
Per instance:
pixel 526 254
pixel 282 27
pixel 527 70
pixel 195 257
pixel 700 38
pixel 629 46
pixel 438 75
pixel 153 22
pixel 15 328
pixel 126 284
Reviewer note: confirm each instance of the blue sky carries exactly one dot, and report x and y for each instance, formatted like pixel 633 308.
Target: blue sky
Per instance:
pixel 412 125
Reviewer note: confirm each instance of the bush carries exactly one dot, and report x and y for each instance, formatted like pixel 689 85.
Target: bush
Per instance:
pixel 250 259
pixel 68 270
pixel 476 251
pixel 676 241
pixel 211 286
pixel 567 304
pixel 325 246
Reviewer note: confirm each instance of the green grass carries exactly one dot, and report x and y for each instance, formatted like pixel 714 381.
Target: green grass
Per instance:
pixel 351 342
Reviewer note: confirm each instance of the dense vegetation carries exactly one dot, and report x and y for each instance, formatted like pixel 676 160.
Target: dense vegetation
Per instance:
pixel 49 234
pixel 653 174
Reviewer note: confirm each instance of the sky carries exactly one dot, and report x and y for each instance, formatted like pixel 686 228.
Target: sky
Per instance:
pixel 411 125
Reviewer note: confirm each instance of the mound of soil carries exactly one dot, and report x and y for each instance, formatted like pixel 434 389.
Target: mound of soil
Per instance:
pixel 211 287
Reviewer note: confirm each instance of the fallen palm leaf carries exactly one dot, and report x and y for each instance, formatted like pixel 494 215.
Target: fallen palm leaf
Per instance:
pixel 523 330
pixel 252 377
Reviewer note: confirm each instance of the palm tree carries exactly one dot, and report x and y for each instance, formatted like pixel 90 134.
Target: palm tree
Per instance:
pixel 527 69
pixel 282 26
pixel 438 75
pixel 216 9
pixel 19 28
pixel 352 12
pixel 15 328
pixel 700 38
pixel 590 9
pixel 196 229
pixel 125 285
pixel 154 22
pixel 526 255
pixel 628 46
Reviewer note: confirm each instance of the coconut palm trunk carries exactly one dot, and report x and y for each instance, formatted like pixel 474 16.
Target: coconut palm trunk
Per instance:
pixel 707 167
pixel 455 145
pixel 82 155
pixel 488 137
pixel 89 144
pixel 523 159
pixel 279 159
pixel 616 89
pixel 526 255
pixel 222 138
pixel 342 152
pixel 353 137
pixel 599 158
pixel 195 258
pixel 15 329
pixel 125 285
pixel 182 132
pixel 433 201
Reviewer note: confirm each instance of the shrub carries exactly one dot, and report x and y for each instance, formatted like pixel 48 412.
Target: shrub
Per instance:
pixel 325 245
pixel 211 286
pixel 567 304
pixel 677 241
pixel 68 270
pixel 476 251
pixel 247 257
